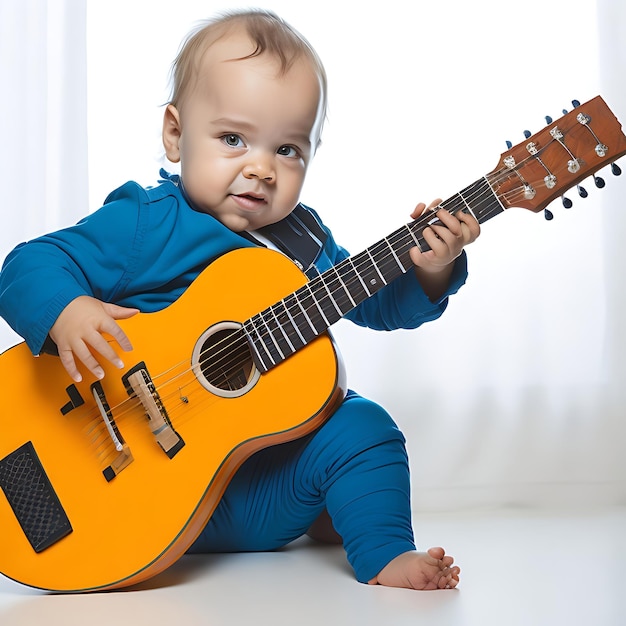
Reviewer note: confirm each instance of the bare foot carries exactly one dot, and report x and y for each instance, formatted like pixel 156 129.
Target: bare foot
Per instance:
pixel 420 570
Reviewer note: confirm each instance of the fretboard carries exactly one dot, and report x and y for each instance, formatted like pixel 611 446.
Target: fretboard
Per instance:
pixel 280 330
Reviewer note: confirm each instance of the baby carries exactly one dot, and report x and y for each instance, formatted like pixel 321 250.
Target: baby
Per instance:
pixel 244 121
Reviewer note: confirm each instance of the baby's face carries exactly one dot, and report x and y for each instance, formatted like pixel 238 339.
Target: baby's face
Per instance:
pixel 245 135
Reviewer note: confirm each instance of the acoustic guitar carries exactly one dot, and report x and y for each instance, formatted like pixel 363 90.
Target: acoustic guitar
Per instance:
pixel 105 484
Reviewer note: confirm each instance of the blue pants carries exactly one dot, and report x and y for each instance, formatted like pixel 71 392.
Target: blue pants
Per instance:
pixel 355 466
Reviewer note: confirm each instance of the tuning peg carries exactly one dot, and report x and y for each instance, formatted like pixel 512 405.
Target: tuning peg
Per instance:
pixel 615 168
pixel 582 192
pixel 599 182
pixel 548 214
pixel 527 134
pixel 509 145
pixel 575 103
pixel 567 203
pixel 564 111
pixel 548 119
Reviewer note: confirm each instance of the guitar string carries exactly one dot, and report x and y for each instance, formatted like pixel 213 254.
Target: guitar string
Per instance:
pixel 334 284
pixel 133 407
pixel 316 290
pixel 130 405
pixel 493 179
pixel 314 286
pixel 200 406
pixel 227 344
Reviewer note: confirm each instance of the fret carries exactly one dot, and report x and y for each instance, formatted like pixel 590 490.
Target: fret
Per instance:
pixel 375 265
pixel 368 273
pixel 387 264
pixel 278 328
pixel 418 243
pixel 286 321
pixel 325 303
pixel 434 220
pixel 339 293
pixel 401 243
pixel 467 206
pixel 268 332
pixel 261 354
pixel 395 256
pixel 345 287
pixel 307 331
pixel 313 310
pixel 265 336
pixel 332 299
pixel 455 204
pixel 484 203
pixel 358 289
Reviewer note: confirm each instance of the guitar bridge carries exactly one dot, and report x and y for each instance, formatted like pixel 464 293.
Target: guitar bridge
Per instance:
pixel 139 382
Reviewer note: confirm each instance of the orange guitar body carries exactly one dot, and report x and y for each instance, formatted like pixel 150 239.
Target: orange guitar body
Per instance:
pixel 128 528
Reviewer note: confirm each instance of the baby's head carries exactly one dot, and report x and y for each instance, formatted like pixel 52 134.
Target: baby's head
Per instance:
pixel 268 33
pixel 245 116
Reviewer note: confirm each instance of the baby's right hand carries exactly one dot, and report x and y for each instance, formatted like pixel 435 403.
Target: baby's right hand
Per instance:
pixel 81 325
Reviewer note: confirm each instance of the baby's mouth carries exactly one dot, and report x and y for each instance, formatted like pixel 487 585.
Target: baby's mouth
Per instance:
pixel 249 201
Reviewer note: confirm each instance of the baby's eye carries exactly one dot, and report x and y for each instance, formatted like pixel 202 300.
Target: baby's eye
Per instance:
pixel 288 151
pixel 233 140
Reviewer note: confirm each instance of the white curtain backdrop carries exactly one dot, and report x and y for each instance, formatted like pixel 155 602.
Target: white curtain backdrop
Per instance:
pixel 43 107
pixel 515 396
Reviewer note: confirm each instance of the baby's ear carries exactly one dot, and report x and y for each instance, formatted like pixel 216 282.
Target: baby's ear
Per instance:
pixel 172 132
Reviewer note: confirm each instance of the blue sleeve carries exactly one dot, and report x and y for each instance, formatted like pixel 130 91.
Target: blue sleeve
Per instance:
pixel 142 249
pixel 41 277
pixel 402 303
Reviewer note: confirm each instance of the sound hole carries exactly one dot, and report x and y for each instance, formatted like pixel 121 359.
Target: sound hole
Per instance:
pixel 222 361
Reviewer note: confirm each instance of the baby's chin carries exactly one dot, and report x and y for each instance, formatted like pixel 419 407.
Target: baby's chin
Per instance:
pixel 236 223
pixel 240 222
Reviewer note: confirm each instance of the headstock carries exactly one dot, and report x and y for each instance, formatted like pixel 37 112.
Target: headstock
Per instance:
pixel 536 171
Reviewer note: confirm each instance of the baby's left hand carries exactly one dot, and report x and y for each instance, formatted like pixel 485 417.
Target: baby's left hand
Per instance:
pixel 446 239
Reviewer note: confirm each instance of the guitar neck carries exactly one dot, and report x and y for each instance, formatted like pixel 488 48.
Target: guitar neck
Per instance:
pixel 529 175
pixel 285 327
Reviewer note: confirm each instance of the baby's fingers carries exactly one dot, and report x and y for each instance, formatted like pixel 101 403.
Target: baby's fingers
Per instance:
pixel 113 329
pixel 104 348
pixel 421 208
pixel 83 350
pixel 117 312
pixel 80 351
pixel 67 360
pixel 470 227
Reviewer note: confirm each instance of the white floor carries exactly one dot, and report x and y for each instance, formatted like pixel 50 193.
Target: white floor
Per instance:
pixel 518 568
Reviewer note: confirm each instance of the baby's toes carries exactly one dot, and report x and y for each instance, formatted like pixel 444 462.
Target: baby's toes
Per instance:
pixel 447 561
pixel 436 553
pixel 453 583
pixel 444 581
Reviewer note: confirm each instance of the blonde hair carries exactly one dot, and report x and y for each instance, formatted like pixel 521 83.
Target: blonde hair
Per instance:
pixel 269 33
